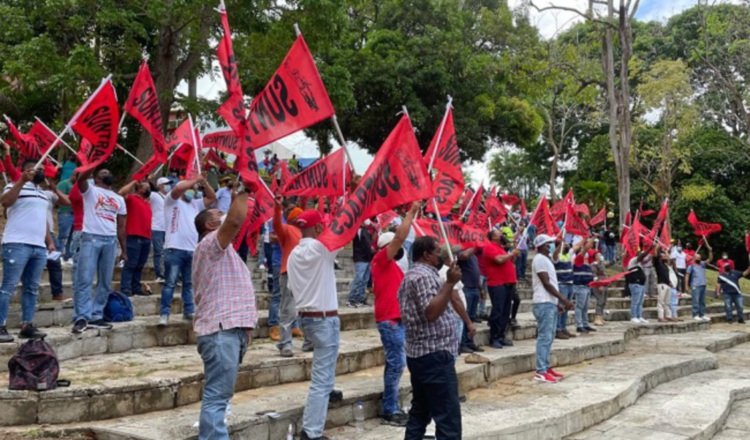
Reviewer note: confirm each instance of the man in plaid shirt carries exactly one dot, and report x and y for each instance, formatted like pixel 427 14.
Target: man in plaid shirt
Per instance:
pixel 225 313
pixel 431 341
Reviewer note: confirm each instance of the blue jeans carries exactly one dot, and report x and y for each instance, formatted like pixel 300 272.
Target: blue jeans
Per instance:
pixel 222 353
pixel 96 257
pixel 521 264
pixel 357 288
pixel 472 301
pixel 675 302
pixel 699 300
pixel 64 228
pixel 25 263
pixel 55 273
pixel 157 242
pixel 609 253
pixel 393 338
pixel 275 303
pixel 434 396
pixel 178 263
pixel 324 335
pixel 582 294
pixel 75 245
pixel 636 300
pixel 546 323
pixel 566 290
pixel 730 300
pixel 138 249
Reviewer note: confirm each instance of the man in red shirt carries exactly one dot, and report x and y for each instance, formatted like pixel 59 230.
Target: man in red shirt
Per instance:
pixel 138 230
pixel 500 271
pixel 724 261
pixel 387 277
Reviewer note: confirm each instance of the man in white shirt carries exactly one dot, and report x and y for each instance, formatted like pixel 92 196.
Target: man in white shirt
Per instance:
pixel 180 208
pixel 224 195
pixel 547 303
pixel 158 225
pixel 680 264
pixel 312 281
pixel 26 240
pixel 104 215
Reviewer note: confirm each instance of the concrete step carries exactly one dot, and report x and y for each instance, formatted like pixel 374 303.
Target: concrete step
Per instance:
pixel 143 332
pixel 265 413
pixel 695 406
pixel 518 408
pixel 736 426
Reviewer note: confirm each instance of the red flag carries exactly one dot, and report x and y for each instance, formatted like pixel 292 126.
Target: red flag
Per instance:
pixel 213 158
pixel 43 137
pixel 98 122
pixel 182 136
pixel 747 242
pixel 396 176
pixel 609 280
pixel 458 232
pixel 50 171
pixel 447 192
pixel 467 196
pixel 582 209
pixel 542 219
pixel 558 209
pixel 496 212
pixel 295 98
pixel 386 218
pixel 631 240
pixel 573 224
pixel 600 217
pixel 477 218
pixel 447 157
pixel 511 200
pixel 628 219
pixel 524 212
pixel 143 105
pixel 324 177
pixel 24 143
pixel 476 200
pixel 664 237
pixel 147 168
pixel 702 229
pixel 225 141
pixel 262 210
pixel 651 238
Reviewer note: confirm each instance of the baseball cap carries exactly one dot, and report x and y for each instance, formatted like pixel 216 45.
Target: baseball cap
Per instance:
pixel 542 239
pixel 162 181
pixel 385 239
pixel 309 219
pixel 293 214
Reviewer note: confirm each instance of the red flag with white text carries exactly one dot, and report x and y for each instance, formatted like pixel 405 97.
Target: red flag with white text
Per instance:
pixel 324 177
pixel 396 176
pixel 98 122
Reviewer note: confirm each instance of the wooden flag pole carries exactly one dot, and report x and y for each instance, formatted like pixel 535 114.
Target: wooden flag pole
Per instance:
pixel 195 145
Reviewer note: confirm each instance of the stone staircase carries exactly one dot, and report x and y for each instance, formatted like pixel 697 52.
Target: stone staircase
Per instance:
pixel 139 381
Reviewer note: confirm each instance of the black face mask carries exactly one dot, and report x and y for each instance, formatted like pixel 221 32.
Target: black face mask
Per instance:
pixel 146 194
pixel 400 254
pixel 439 264
pixel 38 177
pixel 107 180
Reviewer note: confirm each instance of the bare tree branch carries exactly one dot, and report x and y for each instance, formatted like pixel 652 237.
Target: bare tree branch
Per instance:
pixel 574 10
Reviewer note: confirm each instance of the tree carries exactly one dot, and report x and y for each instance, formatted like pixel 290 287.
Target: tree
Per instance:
pixel 517 172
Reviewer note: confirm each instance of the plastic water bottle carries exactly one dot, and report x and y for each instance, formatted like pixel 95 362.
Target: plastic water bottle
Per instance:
pixel 290 432
pixel 359 416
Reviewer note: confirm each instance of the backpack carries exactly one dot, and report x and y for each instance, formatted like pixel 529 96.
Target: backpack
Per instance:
pixel 34 367
pixel 118 308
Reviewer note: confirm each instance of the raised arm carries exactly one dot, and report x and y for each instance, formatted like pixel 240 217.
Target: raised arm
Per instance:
pixel 10 197
pixel 234 220
pixel 127 189
pixel 209 196
pixel 180 188
pixel 439 302
pixel 83 180
pixel 402 232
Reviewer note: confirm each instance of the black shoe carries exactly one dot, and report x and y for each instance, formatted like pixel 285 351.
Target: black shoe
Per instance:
pixel 336 396
pixel 496 344
pixel 465 349
pixel 4 335
pixel 476 321
pixel 514 324
pixel 740 321
pixel 507 342
pixel 581 330
pixel 28 331
pixel 80 326
pixel 304 436
pixel 476 348
pixel 100 324
pixel 142 294
pixel 590 329
pixel 395 419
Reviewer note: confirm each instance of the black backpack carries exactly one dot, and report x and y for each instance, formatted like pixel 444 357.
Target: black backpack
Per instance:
pixel 34 367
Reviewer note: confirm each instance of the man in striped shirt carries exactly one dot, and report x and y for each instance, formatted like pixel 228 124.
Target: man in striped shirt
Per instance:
pixel 225 313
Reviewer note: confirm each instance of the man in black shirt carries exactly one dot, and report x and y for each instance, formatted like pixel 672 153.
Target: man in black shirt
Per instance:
pixel 469 265
pixel 729 282
pixel 663 285
pixel 362 255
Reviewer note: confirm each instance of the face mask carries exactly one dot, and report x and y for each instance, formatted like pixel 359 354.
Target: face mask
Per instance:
pixel 166 188
pixel 400 254
pixel 199 195
pixel 679 249
pixel 551 248
pixel 439 264
pixel 147 194
pixel 188 196
pixel 38 177
pixel 724 257
pixel 107 180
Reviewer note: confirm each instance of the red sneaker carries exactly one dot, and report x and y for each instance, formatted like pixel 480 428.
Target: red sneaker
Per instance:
pixel 557 375
pixel 545 377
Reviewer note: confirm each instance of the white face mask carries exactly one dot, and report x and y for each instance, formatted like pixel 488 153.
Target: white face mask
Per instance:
pixel 223 217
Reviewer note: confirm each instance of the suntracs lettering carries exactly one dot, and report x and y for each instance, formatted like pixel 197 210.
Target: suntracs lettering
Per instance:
pixel 375 187
pixel 444 189
pixel 316 177
pixel 100 123
pixel 147 104
pixel 271 106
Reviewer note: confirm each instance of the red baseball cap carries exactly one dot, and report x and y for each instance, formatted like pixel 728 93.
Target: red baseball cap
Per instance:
pixel 309 219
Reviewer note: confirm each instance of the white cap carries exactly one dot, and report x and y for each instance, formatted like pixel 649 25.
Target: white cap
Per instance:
pixel 542 239
pixel 385 238
pixel 162 181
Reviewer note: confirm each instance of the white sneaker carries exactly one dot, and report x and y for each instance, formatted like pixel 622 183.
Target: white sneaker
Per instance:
pixel 643 321
pixel 67 263
pixel 159 280
pixel 635 320
pixel 697 318
pixel 163 320
pixel 261 267
pixel 705 318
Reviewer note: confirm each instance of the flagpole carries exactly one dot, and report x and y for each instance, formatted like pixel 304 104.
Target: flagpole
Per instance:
pixel 468 206
pixel 440 134
pixel 168 159
pixel 121 148
pixel 195 144
pixel 65 144
pixel 72 120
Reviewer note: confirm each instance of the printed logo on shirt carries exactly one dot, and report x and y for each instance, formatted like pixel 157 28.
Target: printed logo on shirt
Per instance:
pixel 106 208
pixel 173 220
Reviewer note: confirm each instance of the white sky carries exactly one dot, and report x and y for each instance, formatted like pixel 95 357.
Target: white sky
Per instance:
pixel 549 23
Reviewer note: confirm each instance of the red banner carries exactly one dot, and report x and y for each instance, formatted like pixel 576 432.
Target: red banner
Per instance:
pixel 747 242
pixel 295 98
pixel 558 209
pixel 524 211
pixel 607 281
pixel 42 136
pixel 447 192
pixel 396 176
pixel 98 123
pixel 496 212
pixel 582 209
pixel 242 235
pixel 213 158
pixel 702 229
pixel 574 224
pixel 225 141
pixel 600 217
pixel 324 177
pixel 511 199
pixel 664 237
pixel 143 105
pixel 542 219
pixel 147 168
pixel 458 232
pixel 631 240
pixel 262 210
pixel 25 144
pixel 447 157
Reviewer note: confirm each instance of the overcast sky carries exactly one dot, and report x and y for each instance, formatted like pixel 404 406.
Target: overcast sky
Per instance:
pixel 549 24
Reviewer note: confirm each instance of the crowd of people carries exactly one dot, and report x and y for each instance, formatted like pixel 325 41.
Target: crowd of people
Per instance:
pixel 428 299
